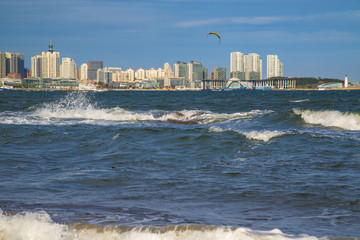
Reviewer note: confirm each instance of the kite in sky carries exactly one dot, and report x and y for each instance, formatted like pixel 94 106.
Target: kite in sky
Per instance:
pixel 214 33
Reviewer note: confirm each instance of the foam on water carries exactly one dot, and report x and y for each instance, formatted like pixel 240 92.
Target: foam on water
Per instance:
pixel 300 100
pixel 76 108
pixel 331 118
pixel 264 136
pixel 216 129
pixel 28 225
pixel 39 226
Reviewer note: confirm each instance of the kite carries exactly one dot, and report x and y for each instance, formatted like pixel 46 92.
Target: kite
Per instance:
pixel 214 33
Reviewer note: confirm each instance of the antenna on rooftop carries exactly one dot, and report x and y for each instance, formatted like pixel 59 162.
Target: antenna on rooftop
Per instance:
pixel 51 47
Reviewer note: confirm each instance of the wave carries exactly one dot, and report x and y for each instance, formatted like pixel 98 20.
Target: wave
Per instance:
pixel 39 225
pixel 76 108
pixel 331 118
pixel 300 100
pixel 264 135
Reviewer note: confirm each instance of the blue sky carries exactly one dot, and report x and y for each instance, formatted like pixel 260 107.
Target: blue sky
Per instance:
pixel 317 38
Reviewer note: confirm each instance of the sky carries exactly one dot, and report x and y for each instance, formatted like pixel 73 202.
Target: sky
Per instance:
pixel 312 38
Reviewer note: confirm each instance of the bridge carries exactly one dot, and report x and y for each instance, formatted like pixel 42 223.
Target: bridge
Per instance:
pixel 237 84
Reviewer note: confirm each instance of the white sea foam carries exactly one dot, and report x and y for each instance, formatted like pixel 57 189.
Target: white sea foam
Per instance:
pixel 39 226
pixel 300 100
pixel 77 108
pixel 263 135
pixel 331 118
pixel 27 225
pixel 216 129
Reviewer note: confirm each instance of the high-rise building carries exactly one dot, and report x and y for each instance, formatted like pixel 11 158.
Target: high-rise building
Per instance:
pixel 253 67
pixel 152 74
pixel 237 62
pixel 168 74
pixel 14 63
pixel 2 65
pixel 50 63
pixel 108 75
pixel 245 67
pixel 274 68
pixel 220 73
pixel 84 71
pixel 93 67
pixel 36 66
pixel 68 68
pixel 130 73
pixel 181 70
pixel 197 71
pixel 140 74
pixel 192 72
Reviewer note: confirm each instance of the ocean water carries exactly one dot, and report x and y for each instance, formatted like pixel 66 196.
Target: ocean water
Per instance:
pixel 180 165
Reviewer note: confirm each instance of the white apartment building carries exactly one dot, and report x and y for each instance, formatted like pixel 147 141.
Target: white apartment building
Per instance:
pixel 152 74
pixel 36 69
pixel 128 75
pixel 50 64
pixel 68 68
pixel 140 74
pixel 274 68
pixel 84 71
pixel 253 65
pixel 237 62
pixel 250 66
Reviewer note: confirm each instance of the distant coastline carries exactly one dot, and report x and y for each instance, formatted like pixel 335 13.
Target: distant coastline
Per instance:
pixel 175 90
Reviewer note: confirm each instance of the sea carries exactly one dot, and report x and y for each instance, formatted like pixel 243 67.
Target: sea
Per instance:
pixel 195 165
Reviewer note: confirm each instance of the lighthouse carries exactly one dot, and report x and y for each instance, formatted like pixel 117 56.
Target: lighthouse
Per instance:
pixel 346 82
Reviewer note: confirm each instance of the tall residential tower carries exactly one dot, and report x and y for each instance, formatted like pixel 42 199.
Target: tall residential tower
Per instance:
pixel 36 66
pixel 50 63
pixel 245 67
pixel 274 68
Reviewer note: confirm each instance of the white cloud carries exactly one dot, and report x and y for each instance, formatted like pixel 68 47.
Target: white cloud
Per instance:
pixel 263 20
pixel 311 37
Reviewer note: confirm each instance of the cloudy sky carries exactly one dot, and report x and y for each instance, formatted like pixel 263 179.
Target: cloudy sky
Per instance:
pixel 317 38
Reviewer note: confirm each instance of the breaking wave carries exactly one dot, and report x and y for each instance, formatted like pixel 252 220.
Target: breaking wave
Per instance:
pixel 39 225
pixel 331 118
pixel 264 135
pixel 76 108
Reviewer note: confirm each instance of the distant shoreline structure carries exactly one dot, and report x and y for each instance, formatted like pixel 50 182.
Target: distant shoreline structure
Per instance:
pixel 356 88
pixel 233 84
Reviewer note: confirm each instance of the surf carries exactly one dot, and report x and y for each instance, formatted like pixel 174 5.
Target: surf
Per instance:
pixel 330 118
pixel 77 108
pixel 40 226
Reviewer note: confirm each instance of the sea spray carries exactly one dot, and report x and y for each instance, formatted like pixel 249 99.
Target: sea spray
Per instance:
pixel 31 225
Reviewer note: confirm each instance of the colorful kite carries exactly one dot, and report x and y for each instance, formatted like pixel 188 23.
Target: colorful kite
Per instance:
pixel 214 33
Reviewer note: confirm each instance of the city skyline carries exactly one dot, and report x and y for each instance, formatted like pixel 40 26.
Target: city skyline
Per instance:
pixel 306 35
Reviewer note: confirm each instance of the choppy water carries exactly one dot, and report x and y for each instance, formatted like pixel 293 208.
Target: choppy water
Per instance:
pixel 179 165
